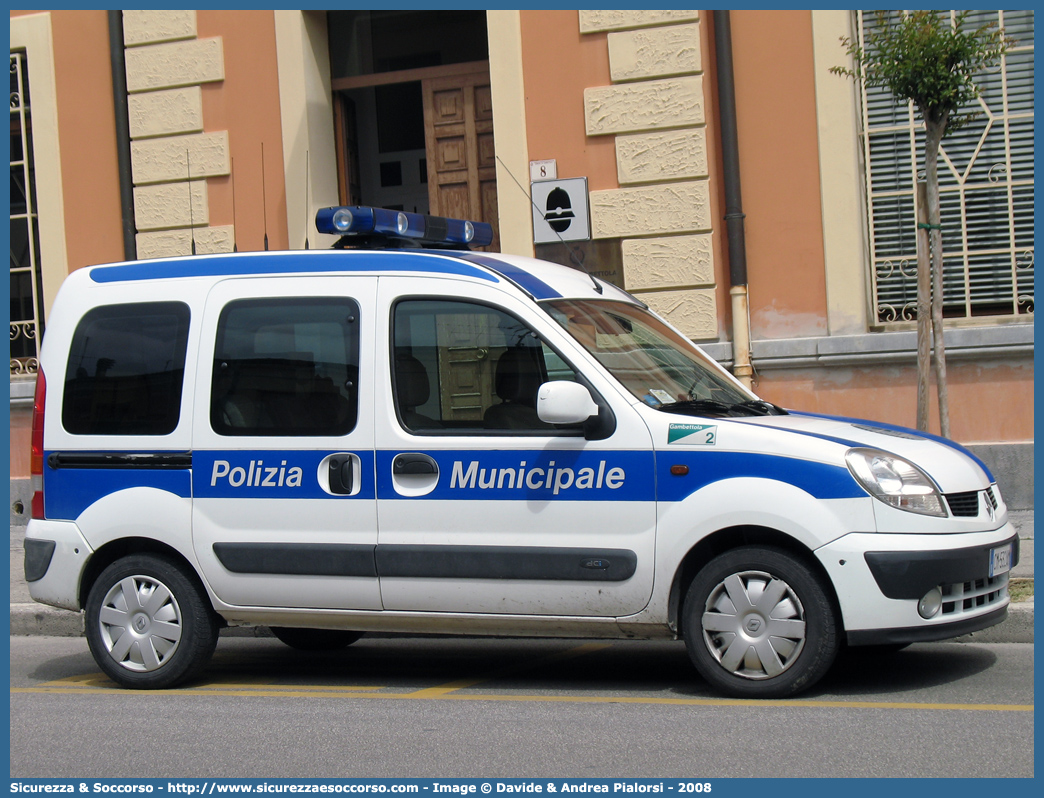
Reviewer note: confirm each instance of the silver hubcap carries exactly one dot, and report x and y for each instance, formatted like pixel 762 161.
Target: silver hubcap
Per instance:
pixel 140 623
pixel 754 625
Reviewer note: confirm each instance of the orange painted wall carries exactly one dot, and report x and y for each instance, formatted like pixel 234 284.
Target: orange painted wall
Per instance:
pixel 246 104
pixel 87 136
pixel 558 63
pixel 989 402
pixel 779 170
pixel 21 441
pixel 89 169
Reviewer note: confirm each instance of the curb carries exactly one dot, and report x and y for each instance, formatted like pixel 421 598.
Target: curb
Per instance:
pixel 39 619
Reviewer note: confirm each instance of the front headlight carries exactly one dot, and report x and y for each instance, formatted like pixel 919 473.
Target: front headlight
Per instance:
pixel 895 481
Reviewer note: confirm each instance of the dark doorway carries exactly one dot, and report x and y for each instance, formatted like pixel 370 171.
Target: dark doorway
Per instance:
pixel 393 76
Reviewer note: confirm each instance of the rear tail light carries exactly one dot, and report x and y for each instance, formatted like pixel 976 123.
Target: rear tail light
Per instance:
pixel 37 458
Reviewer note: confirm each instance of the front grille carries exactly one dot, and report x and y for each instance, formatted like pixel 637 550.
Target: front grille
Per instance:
pixel 963 597
pixel 991 496
pixel 964 505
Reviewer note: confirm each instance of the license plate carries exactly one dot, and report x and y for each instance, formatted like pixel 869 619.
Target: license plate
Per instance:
pixel 1000 560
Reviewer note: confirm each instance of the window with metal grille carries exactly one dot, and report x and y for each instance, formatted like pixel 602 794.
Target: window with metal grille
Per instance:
pixel 985 186
pixel 26 294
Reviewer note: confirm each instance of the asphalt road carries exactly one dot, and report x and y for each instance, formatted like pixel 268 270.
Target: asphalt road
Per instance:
pixel 441 707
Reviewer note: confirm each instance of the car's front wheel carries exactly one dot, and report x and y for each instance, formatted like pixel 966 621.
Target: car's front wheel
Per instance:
pixel 758 623
pixel 149 624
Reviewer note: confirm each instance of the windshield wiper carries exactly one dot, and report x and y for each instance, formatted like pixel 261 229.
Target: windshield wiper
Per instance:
pixel 697 407
pixel 762 408
pixel 712 407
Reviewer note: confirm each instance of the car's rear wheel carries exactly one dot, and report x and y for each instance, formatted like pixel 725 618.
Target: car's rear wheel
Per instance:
pixel 149 624
pixel 316 639
pixel 758 623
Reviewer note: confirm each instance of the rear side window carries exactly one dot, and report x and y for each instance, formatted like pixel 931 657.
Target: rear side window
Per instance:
pixel 286 367
pixel 126 369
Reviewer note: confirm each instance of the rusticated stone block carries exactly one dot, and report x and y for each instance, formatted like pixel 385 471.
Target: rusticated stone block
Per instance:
pixel 651 210
pixel 166 113
pixel 180 158
pixel 692 311
pixel 166 66
pixel 649 105
pixel 672 262
pixel 655 52
pixel 618 19
pixel 177 243
pixel 150 27
pixel 652 157
pixel 166 206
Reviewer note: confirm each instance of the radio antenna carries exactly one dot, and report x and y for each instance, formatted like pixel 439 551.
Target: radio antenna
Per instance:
pixel 232 180
pixel 264 199
pixel 306 199
pixel 575 256
pixel 192 227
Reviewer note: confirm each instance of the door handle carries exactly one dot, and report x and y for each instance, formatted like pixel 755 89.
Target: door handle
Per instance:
pixel 340 471
pixel 409 464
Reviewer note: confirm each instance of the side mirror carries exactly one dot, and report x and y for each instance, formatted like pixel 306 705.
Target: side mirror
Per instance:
pixel 562 402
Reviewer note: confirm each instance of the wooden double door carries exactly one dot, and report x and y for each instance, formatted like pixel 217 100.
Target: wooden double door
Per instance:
pixel 458 137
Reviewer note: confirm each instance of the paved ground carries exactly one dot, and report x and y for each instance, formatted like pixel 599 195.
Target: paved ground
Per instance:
pixel 30 618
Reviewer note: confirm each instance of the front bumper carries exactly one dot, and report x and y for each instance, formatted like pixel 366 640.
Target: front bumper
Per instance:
pixel 926 634
pixel 911 574
pixel 879 579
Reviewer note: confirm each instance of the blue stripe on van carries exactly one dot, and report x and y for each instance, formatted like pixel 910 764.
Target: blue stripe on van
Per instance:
pixel 467 475
pixel 821 480
pixel 276 474
pixel 543 475
pixel 70 491
pixel 258 264
pixel 530 475
pixel 233 474
pixel 536 287
pixel 896 428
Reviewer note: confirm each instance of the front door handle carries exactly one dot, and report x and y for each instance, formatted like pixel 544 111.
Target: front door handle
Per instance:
pixel 414 464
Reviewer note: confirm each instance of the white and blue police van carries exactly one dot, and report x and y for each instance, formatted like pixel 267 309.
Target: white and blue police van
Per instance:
pixel 402 434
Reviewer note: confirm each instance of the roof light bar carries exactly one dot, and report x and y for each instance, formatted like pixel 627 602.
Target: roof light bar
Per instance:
pixel 418 227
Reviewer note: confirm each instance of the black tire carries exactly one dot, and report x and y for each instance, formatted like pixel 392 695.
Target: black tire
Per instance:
pixel 730 637
pixel 316 639
pixel 170 631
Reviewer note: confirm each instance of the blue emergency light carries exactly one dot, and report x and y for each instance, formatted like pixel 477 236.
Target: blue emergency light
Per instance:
pixel 398 225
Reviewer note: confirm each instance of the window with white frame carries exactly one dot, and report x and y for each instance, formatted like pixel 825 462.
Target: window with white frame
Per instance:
pixel 985 185
pixel 26 297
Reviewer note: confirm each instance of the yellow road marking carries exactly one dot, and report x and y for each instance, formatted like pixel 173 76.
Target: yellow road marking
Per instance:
pixel 98 684
pixel 433 694
pixel 100 681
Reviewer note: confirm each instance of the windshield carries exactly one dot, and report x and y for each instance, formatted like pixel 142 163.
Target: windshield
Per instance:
pixel 656 364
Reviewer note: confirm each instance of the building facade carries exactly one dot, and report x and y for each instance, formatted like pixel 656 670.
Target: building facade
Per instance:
pixel 144 134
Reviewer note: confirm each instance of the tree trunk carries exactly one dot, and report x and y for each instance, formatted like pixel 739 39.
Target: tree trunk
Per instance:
pixel 934 132
pixel 924 309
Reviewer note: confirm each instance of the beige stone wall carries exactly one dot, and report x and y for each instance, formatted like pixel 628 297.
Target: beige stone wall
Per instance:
pixel 171 156
pixel 654 110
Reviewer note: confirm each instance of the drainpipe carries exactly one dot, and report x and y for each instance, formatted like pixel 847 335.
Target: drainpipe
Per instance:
pixel 741 364
pixel 123 148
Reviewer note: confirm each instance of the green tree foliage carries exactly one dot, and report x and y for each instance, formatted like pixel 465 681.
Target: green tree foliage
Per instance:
pixel 925 58
pixel 922 58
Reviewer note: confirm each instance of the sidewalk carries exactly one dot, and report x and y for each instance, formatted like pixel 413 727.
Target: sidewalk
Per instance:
pixel 30 618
